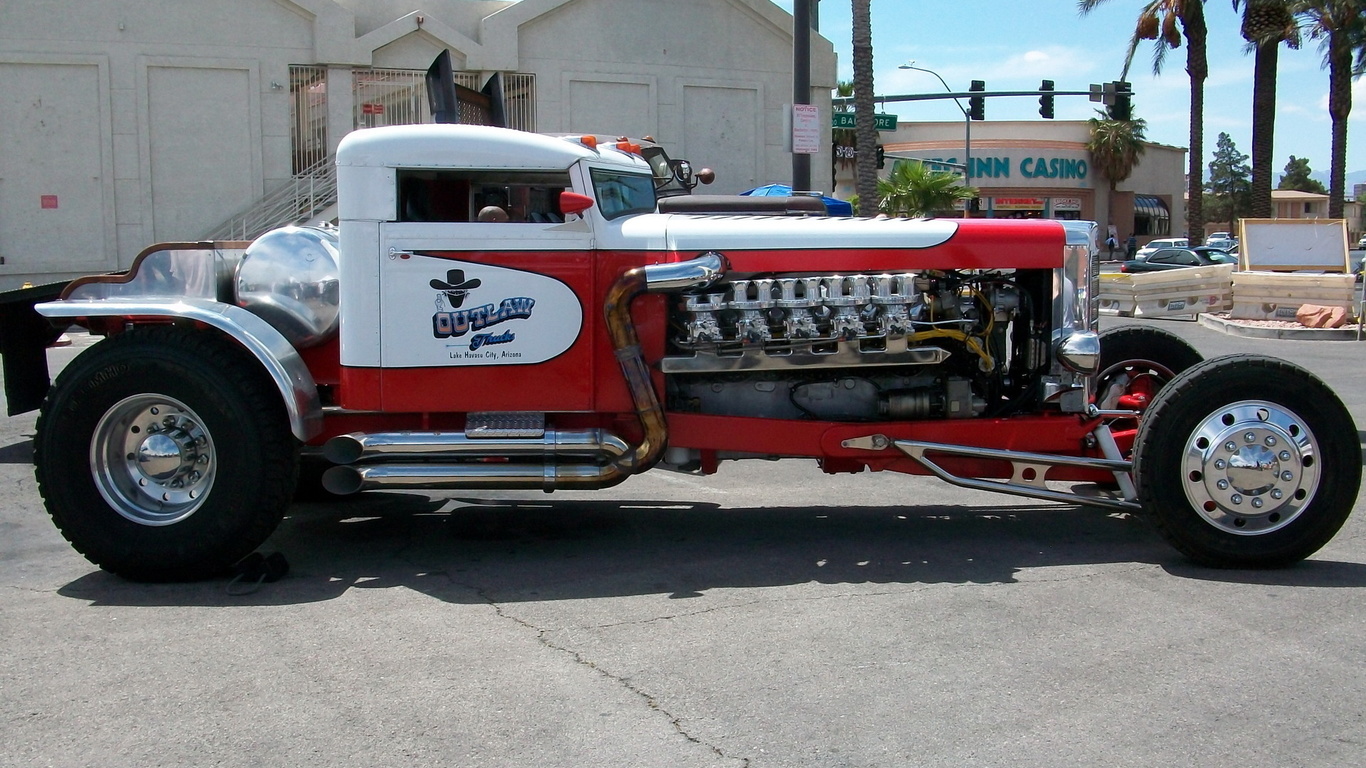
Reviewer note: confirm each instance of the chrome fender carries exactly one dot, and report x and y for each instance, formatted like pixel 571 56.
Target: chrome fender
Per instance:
pixel 279 358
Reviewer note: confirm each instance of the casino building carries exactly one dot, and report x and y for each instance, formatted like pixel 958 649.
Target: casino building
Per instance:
pixel 1042 169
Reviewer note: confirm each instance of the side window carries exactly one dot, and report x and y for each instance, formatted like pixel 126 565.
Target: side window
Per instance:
pixel 432 196
pixel 489 196
pixel 621 193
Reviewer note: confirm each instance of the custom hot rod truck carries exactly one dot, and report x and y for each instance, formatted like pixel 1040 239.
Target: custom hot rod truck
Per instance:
pixel 586 332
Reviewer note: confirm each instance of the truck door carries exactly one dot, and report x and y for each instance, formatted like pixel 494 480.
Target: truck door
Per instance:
pixel 486 296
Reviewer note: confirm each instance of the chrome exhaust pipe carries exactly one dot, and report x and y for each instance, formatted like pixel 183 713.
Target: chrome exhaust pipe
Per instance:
pixel 360 447
pixel 444 477
pixel 592 454
pixel 702 271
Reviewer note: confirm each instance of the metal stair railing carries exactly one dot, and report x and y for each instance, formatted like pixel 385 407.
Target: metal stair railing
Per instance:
pixel 304 196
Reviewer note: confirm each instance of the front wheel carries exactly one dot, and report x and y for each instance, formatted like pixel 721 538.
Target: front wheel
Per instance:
pixel 1137 361
pixel 1247 461
pixel 164 454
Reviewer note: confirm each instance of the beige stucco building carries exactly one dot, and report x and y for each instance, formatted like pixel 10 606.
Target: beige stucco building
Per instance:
pixel 129 122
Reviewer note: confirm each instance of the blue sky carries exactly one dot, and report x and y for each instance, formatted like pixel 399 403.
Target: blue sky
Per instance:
pixel 1013 44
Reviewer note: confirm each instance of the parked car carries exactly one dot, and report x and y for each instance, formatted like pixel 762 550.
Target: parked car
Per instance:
pixel 1179 258
pixel 1157 245
pixel 1222 243
pixel 1361 244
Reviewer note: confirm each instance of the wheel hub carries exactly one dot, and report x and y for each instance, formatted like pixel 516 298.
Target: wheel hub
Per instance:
pixel 152 459
pixel 1251 468
pixel 162 458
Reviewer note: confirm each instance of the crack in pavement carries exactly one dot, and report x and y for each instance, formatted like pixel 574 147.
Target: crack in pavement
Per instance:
pixel 579 658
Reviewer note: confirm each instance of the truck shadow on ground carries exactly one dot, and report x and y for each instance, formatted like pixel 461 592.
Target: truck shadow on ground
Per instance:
pixel 17 453
pixel 480 551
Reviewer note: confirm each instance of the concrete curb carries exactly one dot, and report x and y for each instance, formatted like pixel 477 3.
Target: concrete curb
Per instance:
pixel 1234 328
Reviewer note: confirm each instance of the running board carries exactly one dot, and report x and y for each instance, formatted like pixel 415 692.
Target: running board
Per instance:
pixel 1028 470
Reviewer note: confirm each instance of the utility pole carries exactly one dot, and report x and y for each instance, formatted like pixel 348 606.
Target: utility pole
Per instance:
pixel 801 83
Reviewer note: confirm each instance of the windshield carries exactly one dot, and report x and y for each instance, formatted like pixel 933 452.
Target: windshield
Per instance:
pixel 620 193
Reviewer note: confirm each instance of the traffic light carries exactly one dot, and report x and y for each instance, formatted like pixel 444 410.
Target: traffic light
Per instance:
pixel 977 104
pixel 881 157
pixel 1046 100
pixel 1122 108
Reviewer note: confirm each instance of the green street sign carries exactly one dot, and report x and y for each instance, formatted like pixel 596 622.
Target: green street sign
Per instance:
pixel 846 120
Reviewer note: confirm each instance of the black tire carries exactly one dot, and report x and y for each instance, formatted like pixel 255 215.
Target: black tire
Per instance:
pixel 1247 462
pixel 164 454
pixel 1137 358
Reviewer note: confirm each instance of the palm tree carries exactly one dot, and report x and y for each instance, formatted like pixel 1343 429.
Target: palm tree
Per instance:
pixel 1157 21
pixel 912 189
pixel 1115 147
pixel 1341 26
pixel 865 125
pixel 843 137
pixel 1266 24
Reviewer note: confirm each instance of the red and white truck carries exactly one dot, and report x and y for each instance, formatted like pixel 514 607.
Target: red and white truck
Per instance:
pixel 586 332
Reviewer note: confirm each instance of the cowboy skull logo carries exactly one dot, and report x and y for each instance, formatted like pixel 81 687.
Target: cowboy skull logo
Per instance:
pixel 453 289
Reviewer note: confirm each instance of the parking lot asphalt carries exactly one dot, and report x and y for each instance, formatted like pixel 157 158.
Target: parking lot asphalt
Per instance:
pixel 769 615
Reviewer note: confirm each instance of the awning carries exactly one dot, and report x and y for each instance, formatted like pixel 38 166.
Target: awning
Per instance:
pixel 1152 207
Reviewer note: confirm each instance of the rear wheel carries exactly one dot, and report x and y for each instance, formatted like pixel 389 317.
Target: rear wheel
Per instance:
pixel 1247 461
pixel 165 454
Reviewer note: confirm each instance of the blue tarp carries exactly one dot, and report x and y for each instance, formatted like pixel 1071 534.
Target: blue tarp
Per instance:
pixel 835 207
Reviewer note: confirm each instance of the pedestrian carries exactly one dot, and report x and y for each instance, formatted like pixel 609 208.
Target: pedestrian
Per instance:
pixel 1110 245
pixel 1131 247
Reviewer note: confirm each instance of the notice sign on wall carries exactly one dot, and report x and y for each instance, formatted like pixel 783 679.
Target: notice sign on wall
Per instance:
pixel 369 108
pixel 47 202
pixel 806 129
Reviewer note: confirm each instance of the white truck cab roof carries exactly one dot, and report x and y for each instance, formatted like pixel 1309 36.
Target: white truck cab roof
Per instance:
pixel 471 147
pixel 371 161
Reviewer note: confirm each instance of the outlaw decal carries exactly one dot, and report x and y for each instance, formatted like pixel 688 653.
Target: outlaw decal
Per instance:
pixel 475 314
pixel 460 322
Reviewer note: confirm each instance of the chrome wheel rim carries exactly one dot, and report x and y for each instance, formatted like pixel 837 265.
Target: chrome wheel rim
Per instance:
pixel 1251 468
pixel 152 459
